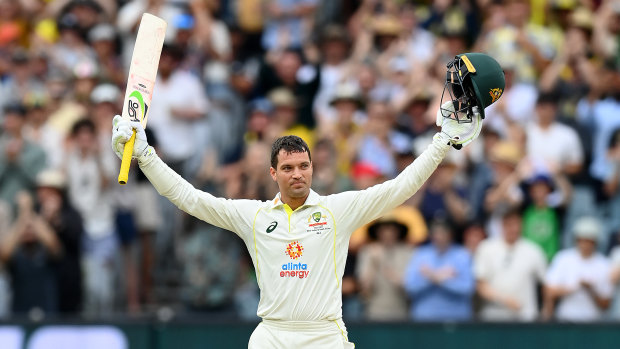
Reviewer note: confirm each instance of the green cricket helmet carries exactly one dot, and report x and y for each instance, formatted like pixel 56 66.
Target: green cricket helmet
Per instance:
pixel 472 80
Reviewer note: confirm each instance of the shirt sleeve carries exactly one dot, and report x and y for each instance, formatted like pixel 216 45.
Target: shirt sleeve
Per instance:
pixel 575 156
pixel 481 265
pixel 603 286
pixel 463 282
pixel 540 263
pixel 356 208
pixel 234 215
pixel 414 282
pixel 554 274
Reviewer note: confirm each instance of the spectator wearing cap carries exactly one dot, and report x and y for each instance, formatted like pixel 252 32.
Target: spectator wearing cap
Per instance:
pixel 578 279
pixel 380 268
pixel 439 278
pixel 20 159
pixel 334 44
pixel 504 192
pixel 386 30
pixel 66 222
pixel 259 120
pixel 106 102
pixel 104 40
pixel 286 115
pixel 542 215
pixel 21 81
pixel 343 125
pixel 71 48
pixel 288 69
pixel 85 77
pixel 508 269
pixel 90 174
pixel 39 131
pixel 414 121
pixel 417 231
pixel 31 251
pixel 566 154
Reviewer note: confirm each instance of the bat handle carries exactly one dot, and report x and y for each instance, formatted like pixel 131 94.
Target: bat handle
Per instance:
pixel 127 152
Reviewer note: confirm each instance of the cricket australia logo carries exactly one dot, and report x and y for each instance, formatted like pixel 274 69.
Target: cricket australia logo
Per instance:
pixel 316 216
pixel 294 250
pixel 317 223
pixel 495 94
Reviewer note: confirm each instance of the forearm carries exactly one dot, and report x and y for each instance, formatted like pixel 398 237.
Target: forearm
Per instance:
pixel 601 302
pixel 9 244
pixel 489 294
pixel 199 204
pixel 47 236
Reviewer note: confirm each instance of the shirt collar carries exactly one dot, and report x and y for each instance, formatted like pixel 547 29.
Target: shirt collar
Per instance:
pixel 311 200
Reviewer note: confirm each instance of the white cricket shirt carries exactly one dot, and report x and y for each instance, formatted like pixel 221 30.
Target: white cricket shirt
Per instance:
pixel 299 256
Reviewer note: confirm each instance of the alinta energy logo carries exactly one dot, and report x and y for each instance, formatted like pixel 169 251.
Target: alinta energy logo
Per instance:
pixel 298 270
pixel 294 250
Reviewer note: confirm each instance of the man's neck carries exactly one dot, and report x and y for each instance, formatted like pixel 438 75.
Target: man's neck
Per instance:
pixel 293 203
pixel 545 125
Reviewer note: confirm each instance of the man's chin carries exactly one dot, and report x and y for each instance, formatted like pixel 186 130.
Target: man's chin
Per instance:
pixel 300 192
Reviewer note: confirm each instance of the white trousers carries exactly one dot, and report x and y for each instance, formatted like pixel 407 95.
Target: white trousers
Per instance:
pixel 270 334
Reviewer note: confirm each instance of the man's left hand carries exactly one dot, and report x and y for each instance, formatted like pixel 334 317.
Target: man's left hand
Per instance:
pixel 460 133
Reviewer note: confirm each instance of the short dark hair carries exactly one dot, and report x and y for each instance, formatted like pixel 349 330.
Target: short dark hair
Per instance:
pixel 515 211
pixel 290 144
pixel 547 97
pixel 83 124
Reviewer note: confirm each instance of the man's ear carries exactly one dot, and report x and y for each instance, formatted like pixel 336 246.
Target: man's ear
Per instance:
pixel 272 172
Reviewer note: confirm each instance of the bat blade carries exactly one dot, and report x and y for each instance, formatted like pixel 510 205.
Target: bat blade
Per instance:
pixel 141 79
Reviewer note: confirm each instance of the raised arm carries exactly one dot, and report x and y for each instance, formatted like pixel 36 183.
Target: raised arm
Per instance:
pixel 360 207
pixel 227 214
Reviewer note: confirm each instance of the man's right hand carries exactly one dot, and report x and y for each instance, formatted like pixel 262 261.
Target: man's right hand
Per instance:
pixel 122 131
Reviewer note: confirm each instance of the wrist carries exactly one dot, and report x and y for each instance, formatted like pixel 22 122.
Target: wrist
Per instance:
pixel 442 138
pixel 146 156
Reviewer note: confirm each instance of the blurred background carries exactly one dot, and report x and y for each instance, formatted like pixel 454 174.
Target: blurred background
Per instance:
pixel 512 240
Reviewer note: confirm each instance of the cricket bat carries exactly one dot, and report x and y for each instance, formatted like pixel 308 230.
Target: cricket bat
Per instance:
pixel 141 80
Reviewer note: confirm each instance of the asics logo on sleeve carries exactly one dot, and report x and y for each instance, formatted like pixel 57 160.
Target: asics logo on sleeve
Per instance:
pixel 272 227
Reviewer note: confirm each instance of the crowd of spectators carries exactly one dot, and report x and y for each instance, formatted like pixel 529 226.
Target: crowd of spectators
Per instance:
pixel 522 225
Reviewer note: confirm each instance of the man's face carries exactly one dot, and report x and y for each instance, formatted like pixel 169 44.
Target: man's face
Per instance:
pixel 441 237
pixel 546 113
pixel 512 228
pixel 293 174
pixel 586 247
pixel 13 123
